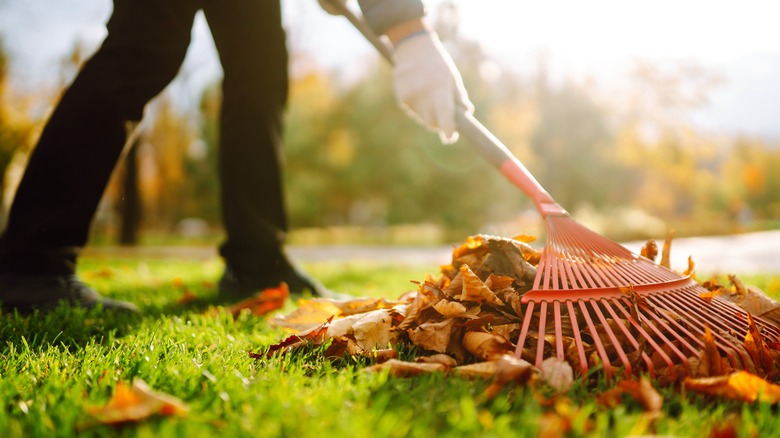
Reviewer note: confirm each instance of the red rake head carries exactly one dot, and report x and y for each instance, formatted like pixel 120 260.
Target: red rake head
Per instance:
pixel 594 303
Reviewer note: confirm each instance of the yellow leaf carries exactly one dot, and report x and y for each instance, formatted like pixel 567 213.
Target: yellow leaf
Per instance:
pixel 739 385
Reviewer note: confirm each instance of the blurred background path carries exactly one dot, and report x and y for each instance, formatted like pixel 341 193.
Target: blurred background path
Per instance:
pixel 740 254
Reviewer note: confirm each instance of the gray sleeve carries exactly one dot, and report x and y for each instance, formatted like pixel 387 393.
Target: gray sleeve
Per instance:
pixel 384 14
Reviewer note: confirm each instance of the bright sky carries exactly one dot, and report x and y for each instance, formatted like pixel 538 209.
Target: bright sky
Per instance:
pixel 600 38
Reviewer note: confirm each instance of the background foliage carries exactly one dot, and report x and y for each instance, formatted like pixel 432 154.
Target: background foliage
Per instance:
pixel 629 164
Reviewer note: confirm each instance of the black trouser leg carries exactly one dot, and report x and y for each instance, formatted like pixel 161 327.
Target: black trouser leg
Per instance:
pixel 79 147
pixel 251 45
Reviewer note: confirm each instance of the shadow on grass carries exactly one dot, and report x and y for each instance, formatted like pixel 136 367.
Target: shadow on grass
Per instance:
pixel 70 327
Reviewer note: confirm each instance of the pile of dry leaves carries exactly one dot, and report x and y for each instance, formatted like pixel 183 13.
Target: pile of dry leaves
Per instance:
pixel 465 321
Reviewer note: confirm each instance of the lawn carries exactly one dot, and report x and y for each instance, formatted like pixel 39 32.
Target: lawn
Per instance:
pixel 54 367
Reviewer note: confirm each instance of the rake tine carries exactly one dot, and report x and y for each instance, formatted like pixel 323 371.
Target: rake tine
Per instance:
pixel 558 330
pixel 597 340
pixel 577 338
pixel 540 341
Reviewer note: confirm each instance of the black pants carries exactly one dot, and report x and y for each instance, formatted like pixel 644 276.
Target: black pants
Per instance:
pixel 147 39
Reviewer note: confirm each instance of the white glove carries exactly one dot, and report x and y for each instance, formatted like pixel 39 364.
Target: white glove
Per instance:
pixel 327 6
pixel 428 85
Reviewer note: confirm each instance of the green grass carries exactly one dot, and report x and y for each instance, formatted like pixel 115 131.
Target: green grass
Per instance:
pixel 52 367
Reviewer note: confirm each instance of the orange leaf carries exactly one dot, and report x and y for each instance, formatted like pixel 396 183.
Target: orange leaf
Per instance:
pixel 136 402
pixel 739 385
pixel 265 301
pixel 649 250
pixel 667 249
pixel 755 346
pixel 711 364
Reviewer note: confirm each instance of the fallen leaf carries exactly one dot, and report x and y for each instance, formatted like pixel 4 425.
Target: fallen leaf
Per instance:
pixel 136 402
pixel 649 250
pixel 314 336
pixel 755 346
pixel 399 368
pixel 434 336
pixel 475 290
pixel 186 297
pixel 450 309
pixel 643 392
pixel 264 302
pixel 739 385
pixel 443 359
pixel 710 362
pixel 372 331
pixel 486 346
pixel 667 250
pixel 558 374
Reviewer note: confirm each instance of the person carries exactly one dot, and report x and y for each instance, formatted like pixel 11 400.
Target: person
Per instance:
pixel 82 141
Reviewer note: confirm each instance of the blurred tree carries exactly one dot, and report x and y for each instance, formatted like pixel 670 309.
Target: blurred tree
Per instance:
pixel 16 129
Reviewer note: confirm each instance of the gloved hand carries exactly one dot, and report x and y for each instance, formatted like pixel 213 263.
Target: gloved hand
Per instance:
pixel 428 85
pixel 327 6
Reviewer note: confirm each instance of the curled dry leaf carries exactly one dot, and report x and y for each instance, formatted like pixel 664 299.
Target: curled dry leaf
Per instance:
pixel 451 309
pixel 312 337
pixel 649 250
pixel 135 402
pixel 710 362
pixel 475 290
pixel 739 385
pixel 487 346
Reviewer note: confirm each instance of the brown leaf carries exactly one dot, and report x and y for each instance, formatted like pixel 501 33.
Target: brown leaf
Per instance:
pixel 399 368
pixel 643 392
pixel 739 385
pixel 487 346
pixel 434 336
pixel 186 297
pixel 314 336
pixel 451 309
pixel 557 374
pixel 710 362
pixel 135 403
pixel 757 349
pixel 381 356
pixel 474 289
pixel 443 359
pixel 264 302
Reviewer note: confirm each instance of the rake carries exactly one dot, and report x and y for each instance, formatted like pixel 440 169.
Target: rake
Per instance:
pixel 593 294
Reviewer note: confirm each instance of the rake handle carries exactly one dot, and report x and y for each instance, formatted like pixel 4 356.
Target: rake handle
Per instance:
pixel 478 136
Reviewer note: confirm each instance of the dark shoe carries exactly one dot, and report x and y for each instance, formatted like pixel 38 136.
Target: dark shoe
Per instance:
pixel 25 293
pixel 234 286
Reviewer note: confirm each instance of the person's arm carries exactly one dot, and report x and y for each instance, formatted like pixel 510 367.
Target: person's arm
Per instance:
pixel 427 83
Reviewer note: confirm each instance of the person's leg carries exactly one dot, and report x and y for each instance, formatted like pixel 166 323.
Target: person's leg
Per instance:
pixel 70 166
pixel 252 48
